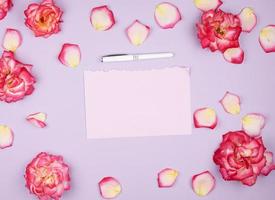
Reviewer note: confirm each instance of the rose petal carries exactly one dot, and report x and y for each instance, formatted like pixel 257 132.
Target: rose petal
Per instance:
pixel 267 38
pixel 12 40
pixel 167 15
pixel 102 18
pixel 231 103
pixel 248 19
pixel 137 32
pixel 206 5
pixel 234 55
pixel 70 55
pixel 253 124
pixel 6 137
pixel 203 183
pixel 167 177
pixel 269 165
pixel 37 119
pixel 250 180
pixel 205 118
pixel 109 188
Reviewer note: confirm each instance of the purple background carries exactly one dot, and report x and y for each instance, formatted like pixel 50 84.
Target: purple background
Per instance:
pixel 135 162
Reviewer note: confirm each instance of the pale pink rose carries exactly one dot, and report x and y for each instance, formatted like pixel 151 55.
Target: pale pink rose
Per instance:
pixel 5 6
pixel 16 80
pixel 47 176
pixel 43 19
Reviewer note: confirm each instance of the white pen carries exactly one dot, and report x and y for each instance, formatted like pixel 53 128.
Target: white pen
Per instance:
pixel 135 57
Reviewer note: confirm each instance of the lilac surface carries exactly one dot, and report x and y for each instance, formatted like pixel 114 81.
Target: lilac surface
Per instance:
pixel 135 162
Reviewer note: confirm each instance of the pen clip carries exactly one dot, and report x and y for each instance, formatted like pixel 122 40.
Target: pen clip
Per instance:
pixel 115 55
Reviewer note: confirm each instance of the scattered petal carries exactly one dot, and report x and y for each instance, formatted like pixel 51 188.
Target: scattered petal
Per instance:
pixel 206 5
pixel 269 165
pixel 248 19
pixel 203 183
pixel 205 118
pixel 102 18
pixel 167 177
pixel 231 103
pixel 167 15
pixel 109 188
pixel 37 119
pixel 234 55
pixel 12 40
pixel 70 55
pixel 267 38
pixel 6 137
pixel 137 32
pixel 253 124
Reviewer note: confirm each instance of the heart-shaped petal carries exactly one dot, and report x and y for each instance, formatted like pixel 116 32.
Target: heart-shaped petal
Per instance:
pixel 203 183
pixel 6 137
pixel 12 39
pixel 206 5
pixel 231 103
pixel 248 19
pixel 167 15
pixel 70 55
pixel 234 55
pixel 102 18
pixel 109 188
pixel 37 119
pixel 253 124
pixel 167 177
pixel 267 38
pixel 205 118
pixel 137 32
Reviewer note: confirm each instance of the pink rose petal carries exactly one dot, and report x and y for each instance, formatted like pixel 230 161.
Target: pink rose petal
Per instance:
pixel 109 188
pixel 167 177
pixel 269 165
pixel 6 137
pixel 137 33
pixel 203 183
pixel 12 40
pixel 248 19
pixel 37 119
pixel 253 124
pixel 102 18
pixel 70 55
pixel 267 38
pixel 205 118
pixel 206 5
pixel 167 15
pixel 231 103
pixel 234 55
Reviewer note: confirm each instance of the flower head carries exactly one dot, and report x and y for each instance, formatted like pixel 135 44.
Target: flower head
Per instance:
pixel 5 6
pixel 47 176
pixel 219 30
pixel 16 80
pixel 43 19
pixel 240 157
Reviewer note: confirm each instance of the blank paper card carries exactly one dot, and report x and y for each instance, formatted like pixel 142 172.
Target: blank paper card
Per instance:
pixel 138 103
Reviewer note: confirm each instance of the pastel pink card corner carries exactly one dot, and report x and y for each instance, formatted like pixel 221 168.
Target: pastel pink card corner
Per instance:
pixel 138 103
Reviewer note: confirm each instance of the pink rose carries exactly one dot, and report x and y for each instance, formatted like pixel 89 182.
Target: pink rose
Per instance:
pixel 16 80
pixel 43 19
pixel 219 30
pixel 240 157
pixel 5 6
pixel 47 176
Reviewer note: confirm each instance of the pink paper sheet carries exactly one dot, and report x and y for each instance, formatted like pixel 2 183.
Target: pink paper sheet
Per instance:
pixel 138 103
